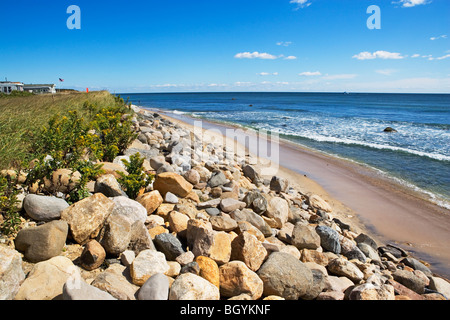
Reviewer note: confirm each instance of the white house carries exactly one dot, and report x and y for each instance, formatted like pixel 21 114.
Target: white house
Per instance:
pixel 8 86
pixel 40 88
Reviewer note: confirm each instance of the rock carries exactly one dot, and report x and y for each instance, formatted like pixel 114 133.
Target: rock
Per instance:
pixel 140 238
pixel 169 245
pixel 155 288
pixel 318 203
pixel 213 211
pixel 171 198
pixel 253 218
pixel 191 267
pixel 151 201
pixel 236 278
pixel 192 176
pixel 113 168
pixel 369 252
pixel 363 238
pixel 189 286
pixel 128 208
pixel 209 204
pixel 87 217
pixel 62 180
pixel 410 280
pixel 278 210
pixel 313 256
pixel 178 222
pixel 213 244
pixel 305 237
pixel 11 273
pixel 279 184
pixel 77 289
pixel 116 281
pixel 251 173
pixel 342 267
pixel 223 223
pixel 209 270
pixel 338 284
pixel 127 257
pixel 43 208
pixel 319 283
pixel 195 228
pixel 285 276
pixel 146 264
pixel 46 280
pixel 256 201
pixel 248 249
pixel 331 296
pixel 441 286
pixel 116 235
pixel 329 239
pixel 417 265
pixel 185 258
pixel 92 256
pixel 172 182
pixel 389 129
pixel 368 291
pixel 229 204
pixel 42 242
pixel 108 185
pixel 217 179
pixel 400 289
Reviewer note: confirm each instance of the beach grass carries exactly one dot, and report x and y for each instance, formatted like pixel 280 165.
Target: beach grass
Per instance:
pixel 21 118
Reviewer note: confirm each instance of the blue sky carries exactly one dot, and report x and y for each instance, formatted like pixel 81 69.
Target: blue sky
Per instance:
pixel 229 45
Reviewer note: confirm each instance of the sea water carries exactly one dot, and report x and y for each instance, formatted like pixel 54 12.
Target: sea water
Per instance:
pixel 349 126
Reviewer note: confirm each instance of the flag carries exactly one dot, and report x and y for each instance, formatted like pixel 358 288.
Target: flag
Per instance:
pixel 61 80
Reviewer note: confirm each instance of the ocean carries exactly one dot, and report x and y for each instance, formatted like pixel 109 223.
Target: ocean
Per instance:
pixel 349 126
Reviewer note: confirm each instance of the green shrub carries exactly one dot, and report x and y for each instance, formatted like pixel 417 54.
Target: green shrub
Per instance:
pixel 89 171
pixel 8 208
pixel 137 178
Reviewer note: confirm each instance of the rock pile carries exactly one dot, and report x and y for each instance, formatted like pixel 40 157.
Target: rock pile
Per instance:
pixel 209 227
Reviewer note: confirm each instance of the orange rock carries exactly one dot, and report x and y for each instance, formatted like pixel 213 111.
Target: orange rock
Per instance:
pixel 209 270
pixel 172 182
pixel 151 201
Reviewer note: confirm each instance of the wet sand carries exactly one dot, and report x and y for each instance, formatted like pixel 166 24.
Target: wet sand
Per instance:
pixel 360 196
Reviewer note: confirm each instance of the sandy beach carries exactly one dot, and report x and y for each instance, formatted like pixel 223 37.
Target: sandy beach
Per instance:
pixel 361 197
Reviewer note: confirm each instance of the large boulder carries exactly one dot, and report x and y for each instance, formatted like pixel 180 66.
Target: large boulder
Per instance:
pixel 305 237
pixel 116 235
pixel 248 249
pixel 130 209
pixel 43 242
pixel 108 185
pixel 146 264
pixel 151 201
pixel 277 212
pixel 285 276
pixel 43 208
pixel 329 239
pixel 172 182
pixel 318 203
pixel 213 244
pixel 155 288
pixel 87 217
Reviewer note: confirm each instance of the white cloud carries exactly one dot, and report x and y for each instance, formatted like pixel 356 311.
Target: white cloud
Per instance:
pixel 413 3
pixel 290 58
pixel 284 43
pixel 444 36
pixel 415 55
pixel 378 55
pixel 310 74
pixel 301 3
pixel 255 55
pixel 339 76
pixel 267 74
pixel 386 72
pixel 443 57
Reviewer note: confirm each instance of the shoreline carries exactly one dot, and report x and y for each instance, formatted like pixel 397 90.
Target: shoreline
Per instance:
pixel 366 200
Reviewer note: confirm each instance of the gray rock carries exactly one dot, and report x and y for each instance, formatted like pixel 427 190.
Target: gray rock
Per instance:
pixel 189 286
pixel 251 173
pixel 285 276
pixel 128 208
pixel 191 267
pixel 417 265
pixel 43 208
pixel 108 185
pixel 254 219
pixel 42 242
pixel 169 245
pixel 329 239
pixel 217 179
pixel 363 238
pixel 223 223
pixel 171 198
pixel 77 289
pixel 256 201
pixel 318 285
pixel 355 253
pixel 155 288
pixel 213 211
pixel 369 251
